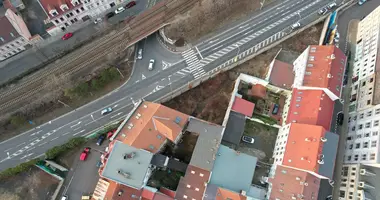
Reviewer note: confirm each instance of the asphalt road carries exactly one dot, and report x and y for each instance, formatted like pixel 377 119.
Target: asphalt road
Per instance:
pixel 40 53
pixel 257 31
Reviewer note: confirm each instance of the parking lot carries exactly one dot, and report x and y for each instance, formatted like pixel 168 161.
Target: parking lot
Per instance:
pixel 83 175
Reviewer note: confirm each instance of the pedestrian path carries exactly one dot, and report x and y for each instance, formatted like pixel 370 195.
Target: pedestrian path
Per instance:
pixel 193 64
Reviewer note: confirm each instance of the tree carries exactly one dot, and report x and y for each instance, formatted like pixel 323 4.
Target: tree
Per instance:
pixel 18 120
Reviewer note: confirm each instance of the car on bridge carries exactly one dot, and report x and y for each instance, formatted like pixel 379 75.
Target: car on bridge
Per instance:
pixel 67 36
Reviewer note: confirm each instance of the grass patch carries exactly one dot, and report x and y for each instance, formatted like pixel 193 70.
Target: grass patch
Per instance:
pixel 18 169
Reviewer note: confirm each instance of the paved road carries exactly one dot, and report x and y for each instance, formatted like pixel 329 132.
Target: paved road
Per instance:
pixel 33 57
pixel 204 58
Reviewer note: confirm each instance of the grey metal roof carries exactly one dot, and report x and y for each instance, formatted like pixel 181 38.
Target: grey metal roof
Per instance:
pixel 207 144
pixel 233 170
pixel 210 193
pixel 177 165
pixel 325 189
pixel 159 160
pixel 330 148
pixel 135 167
pixel 234 128
pixel 371 180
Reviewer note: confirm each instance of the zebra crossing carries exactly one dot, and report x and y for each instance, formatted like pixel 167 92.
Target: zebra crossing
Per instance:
pixel 194 66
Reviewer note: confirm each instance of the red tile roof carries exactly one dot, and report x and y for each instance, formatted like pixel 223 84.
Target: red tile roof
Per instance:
pixel 126 193
pixel 258 90
pixel 48 5
pixel 243 106
pixel 6 30
pixel 150 125
pixel 310 107
pixel 147 194
pixel 160 196
pixel 168 192
pixel 288 183
pixel 223 194
pixel 304 146
pixel 327 68
pixel 282 75
pixel 192 186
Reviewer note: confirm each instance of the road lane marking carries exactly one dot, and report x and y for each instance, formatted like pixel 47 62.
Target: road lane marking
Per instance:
pixel 8 149
pixel 31 149
pixel 116 115
pixel 76 124
pixel 198 52
pixel 21 144
pixel 77 128
pixel 218 47
pixel 79 132
pixel 36 133
pixel 42 144
pixel 28 155
pixel 66 133
pixel 54 138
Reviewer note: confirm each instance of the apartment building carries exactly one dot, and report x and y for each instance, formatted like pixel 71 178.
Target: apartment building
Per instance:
pixel 364 112
pixel 320 68
pixel 96 8
pixel 14 35
pixel 360 181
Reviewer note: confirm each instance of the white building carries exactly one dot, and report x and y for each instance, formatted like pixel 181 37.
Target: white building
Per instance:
pixel 14 35
pixel 360 181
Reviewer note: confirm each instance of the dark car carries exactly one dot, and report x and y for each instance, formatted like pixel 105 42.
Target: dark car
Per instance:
pixel 340 118
pixel 130 4
pixel 100 140
pixel 110 14
pixel 275 109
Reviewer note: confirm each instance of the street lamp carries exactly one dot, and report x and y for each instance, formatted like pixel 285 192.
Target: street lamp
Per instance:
pixel 236 45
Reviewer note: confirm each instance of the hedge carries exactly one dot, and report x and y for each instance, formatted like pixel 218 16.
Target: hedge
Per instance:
pixel 18 169
pixel 54 152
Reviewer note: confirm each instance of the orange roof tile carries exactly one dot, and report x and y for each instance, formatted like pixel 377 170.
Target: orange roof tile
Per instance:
pixel 282 74
pixel 258 90
pixel 123 192
pixel 167 192
pixel 150 125
pixel 310 107
pixel 160 196
pixel 192 186
pixel 111 189
pixel 326 69
pixel 286 184
pixel 243 106
pixel 49 5
pixel 223 194
pixel 304 146
pixel 147 194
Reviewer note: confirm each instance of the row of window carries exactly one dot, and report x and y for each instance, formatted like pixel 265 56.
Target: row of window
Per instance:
pixel 68 15
pixel 367 125
pixel 367 114
pixel 365 145
pixel 363 157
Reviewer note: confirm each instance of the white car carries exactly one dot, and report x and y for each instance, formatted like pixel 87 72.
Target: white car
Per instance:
pixel 139 54
pixel 331 5
pixel 106 111
pixel 296 25
pixel 97 20
pixel 119 10
pixel 64 197
pixel 248 139
pixel 151 64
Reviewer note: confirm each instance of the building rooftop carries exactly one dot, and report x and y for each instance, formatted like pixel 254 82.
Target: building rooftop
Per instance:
pixel 127 165
pixel 150 124
pixel 192 185
pixel 258 90
pixel 289 182
pixel 325 68
pixel 234 128
pixel 370 175
pixel 281 74
pixel 7 32
pixel 49 5
pixel 230 175
pixel 312 148
pixel 311 107
pixel 214 192
pixel 243 106
pixel 207 143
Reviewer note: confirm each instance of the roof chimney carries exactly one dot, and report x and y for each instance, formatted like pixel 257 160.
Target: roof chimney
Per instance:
pixel 323 139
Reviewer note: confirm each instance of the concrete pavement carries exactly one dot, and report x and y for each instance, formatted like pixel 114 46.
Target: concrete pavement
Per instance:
pixel 202 59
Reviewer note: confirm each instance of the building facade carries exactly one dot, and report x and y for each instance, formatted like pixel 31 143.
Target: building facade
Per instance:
pixel 14 35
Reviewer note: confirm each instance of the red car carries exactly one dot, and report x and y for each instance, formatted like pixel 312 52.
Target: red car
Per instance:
pixel 67 36
pixel 130 4
pixel 84 154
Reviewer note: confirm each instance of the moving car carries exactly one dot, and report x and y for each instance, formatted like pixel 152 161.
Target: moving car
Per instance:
pixel 130 4
pixel 119 10
pixel 64 197
pixel 67 36
pixel 323 11
pixel 106 111
pixel 332 5
pixel 100 139
pixel 361 2
pixel 151 64
pixel 139 54
pixel 248 139
pixel 84 154
pixel 97 20
pixel 110 14
pixel 296 25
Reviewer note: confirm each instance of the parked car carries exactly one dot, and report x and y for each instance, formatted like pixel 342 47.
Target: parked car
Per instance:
pixel 323 11
pixel 67 36
pixel 119 10
pixel 130 4
pixel 340 118
pixel 151 64
pixel 64 197
pixel 332 5
pixel 84 154
pixel 97 20
pixel 106 111
pixel 99 163
pixel 139 54
pixel 110 134
pixel 361 2
pixel 100 139
pixel 275 109
pixel 86 197
pixel 296 25
pixel 248 139
pixel 110 14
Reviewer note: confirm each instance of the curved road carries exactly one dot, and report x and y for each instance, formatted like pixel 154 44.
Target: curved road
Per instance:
pixel 243 38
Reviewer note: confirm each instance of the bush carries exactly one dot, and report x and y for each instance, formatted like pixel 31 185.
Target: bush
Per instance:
pixel 18 169
pixel 54 152
pixel 18 120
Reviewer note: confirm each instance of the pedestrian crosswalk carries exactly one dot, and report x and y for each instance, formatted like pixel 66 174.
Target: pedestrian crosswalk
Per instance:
pixel 194 66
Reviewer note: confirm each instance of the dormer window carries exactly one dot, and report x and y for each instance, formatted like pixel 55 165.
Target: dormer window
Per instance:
pixel 64 7
pixel 53 12
pixel 74 2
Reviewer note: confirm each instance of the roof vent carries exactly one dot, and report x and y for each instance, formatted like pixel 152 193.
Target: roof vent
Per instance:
pixel 321 161
pixel 130 124
pixel 329 76
pixel 306 184
pixel 145 106
pixel 138 116
pixel 332 56
pixel 177 120
pixel 129 127
pixel 323 139
pixel 298 178
pixel 129 155
pixel 125 174
pixel 307 140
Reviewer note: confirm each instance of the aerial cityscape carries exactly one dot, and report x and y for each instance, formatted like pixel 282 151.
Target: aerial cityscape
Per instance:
pixel 189 99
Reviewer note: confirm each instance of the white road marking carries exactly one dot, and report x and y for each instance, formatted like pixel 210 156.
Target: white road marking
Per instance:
pixel 199 52
pixel 36 133
pixel 21 144
pixel 218 47
pixel 116 115
pixel 79 132
pixel 42 144
pixel 115 105
pixel 54 138
pixel 143 77
pixel 76 124
pixel 26 156
pixel 31 149
pixel 66 133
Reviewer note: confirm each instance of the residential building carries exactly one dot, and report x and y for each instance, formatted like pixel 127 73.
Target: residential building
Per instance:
pixel 14 5
pixel 320 67
pixel 291 183
pixel 312 107
pixel 14 35
pixel 306 147
pixel 96 8
pixel 243 106
pixel 64 13
pixel 359 181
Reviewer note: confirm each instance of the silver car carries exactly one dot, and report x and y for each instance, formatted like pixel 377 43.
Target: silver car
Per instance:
pixel 151 65
pixel 296 25
pixel 139 54
pixel 248 139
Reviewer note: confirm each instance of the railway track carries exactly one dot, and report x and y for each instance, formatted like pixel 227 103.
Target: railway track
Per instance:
pixel 137 28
